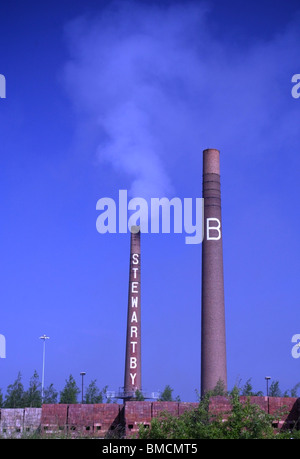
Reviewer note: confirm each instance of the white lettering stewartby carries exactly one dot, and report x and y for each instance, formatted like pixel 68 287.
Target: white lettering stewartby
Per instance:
pixel 133 317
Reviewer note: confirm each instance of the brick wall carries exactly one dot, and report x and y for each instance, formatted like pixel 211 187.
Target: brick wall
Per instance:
pixel 108 420
pixel 54 418
pixel 81 420
pixel 219 406
pixel 285 409
pixel 15 422
pixel 141 413
pixel 136 413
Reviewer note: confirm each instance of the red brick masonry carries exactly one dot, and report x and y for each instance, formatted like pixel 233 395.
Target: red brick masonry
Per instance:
pixel 106 419
pixel 78 419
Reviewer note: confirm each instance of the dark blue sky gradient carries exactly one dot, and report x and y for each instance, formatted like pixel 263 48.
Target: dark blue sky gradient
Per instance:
pixel 179 77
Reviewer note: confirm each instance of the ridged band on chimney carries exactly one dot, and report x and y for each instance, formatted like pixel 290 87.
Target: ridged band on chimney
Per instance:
pixel 133 373
pixel 213 338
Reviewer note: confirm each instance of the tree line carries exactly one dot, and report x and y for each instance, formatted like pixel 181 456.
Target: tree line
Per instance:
pixel 17 397
pixel 273 391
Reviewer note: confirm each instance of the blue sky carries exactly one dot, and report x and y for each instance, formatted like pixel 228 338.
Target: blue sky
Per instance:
pixel 103 96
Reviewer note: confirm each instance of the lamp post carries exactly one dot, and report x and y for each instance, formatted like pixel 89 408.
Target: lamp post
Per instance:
pixel 44 337
pixel 82 375
pixel 267 379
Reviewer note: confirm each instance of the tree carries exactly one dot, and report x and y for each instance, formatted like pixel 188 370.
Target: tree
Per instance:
pixel 166 395
pixel 93 393
pixel 33 396
pixel 50 395
pixel 139 396
pixel 15 394
pixel 247 389
pixel 219 389
pixel 1 399
pixel 274 390
pixel 247 420
pixel 70 392
pixel 294 390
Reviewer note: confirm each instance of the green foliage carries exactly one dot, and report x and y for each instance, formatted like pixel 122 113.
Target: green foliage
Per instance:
pixel 166 395
pixel 247 389
pixel 245 420
pixel 17 397
pixel 139 396
pixel 15 394
pixel 191 424
pixel 50 395
pixel 93 394
pixel 274 390
pixel 219 389
pixel 70 392
pixel 294 390
pixel 33 396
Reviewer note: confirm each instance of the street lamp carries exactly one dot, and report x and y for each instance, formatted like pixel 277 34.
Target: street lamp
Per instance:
pixel 267 379
pixel 44 337
pixel 82 375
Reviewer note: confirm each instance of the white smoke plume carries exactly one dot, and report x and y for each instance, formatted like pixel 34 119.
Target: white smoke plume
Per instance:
pixel 158 88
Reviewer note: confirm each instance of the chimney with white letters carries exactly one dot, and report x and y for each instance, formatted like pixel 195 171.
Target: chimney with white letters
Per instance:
pixel 213 340
pixel 133 379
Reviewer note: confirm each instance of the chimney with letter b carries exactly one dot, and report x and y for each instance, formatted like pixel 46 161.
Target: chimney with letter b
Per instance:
pixel 213 340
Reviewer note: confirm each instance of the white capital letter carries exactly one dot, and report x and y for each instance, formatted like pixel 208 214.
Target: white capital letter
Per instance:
pixel 133 345
pixel 134 302
pixel 132 375
pixel 133 362
pixel 134 286
pixel 135 258
pixel 133 330
pixel 133 317
pixel 213 228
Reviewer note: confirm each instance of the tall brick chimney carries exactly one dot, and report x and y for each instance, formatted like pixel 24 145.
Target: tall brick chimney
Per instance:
pixel 213 340
pixel 133 378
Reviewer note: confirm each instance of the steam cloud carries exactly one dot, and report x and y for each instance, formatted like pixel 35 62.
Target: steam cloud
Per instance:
pixel 158 88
